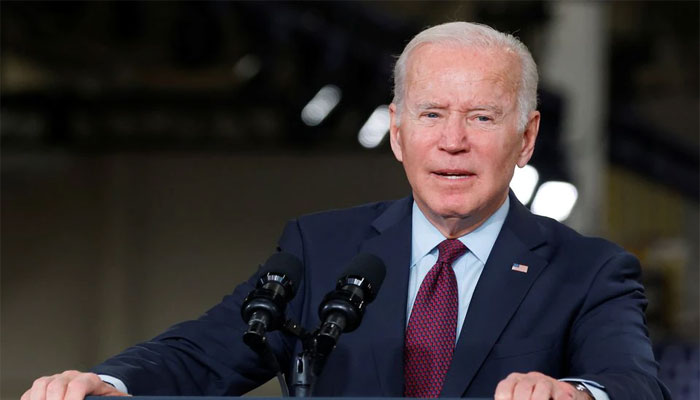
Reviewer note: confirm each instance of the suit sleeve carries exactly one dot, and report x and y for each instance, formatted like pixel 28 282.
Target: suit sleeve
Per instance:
pixel 609 341
pixel 206 356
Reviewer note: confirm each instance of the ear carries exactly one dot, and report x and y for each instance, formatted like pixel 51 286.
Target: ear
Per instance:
pixel 395 133
pixel 528 139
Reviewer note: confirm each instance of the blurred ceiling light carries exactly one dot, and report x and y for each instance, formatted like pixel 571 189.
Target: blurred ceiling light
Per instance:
pixel 321 105
pixel 376 127
pixel 524 182
pixel 555 199
pixel 247 67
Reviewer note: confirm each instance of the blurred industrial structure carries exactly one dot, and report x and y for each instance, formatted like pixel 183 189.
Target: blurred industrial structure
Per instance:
pixel 152 151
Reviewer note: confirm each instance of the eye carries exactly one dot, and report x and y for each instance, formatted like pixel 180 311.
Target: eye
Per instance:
pixel 483 118
pixel 432 115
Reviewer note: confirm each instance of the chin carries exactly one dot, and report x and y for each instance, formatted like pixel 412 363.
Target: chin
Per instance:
pixel 456 214
pixel 460 209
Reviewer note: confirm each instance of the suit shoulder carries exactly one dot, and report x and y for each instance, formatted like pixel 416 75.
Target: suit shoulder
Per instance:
pixel 333 229
pixel 361 215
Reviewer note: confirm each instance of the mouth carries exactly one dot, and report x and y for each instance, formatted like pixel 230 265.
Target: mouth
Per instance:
pixel 452 174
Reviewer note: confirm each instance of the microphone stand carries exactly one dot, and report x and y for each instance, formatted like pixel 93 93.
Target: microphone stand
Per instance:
pixel 302 376
pixel 308 364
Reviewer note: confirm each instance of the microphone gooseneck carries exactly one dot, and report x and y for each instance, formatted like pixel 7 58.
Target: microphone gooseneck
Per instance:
pixel 342 309
pixel 263 309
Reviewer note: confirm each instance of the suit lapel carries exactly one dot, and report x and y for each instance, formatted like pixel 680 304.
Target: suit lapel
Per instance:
pixel 387 315
pixel 498 294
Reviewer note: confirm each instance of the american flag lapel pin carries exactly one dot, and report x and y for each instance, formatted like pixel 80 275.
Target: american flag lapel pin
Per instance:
pixel 519 267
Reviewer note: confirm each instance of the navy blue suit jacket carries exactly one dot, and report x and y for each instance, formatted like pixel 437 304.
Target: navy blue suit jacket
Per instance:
pixel 577 312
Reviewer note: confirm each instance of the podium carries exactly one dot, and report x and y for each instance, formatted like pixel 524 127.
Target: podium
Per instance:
pixel 258 398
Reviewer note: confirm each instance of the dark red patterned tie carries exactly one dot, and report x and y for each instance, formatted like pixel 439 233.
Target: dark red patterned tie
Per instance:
pixel 432 327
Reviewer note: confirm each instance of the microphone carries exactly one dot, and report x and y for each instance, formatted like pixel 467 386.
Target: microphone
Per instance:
pixel 342 309
pixel 263 309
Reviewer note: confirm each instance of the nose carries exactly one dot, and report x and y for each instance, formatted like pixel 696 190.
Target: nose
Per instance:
pixel 454 135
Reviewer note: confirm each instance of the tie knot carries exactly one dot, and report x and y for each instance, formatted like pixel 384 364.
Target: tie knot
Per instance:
pixel 450 250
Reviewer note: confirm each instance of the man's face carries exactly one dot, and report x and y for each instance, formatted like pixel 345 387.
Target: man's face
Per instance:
pixel 457 133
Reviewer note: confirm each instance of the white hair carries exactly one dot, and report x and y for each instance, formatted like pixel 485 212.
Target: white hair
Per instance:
pixel 467 34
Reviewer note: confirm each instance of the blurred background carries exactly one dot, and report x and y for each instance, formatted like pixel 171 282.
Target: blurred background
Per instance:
pixel 153 151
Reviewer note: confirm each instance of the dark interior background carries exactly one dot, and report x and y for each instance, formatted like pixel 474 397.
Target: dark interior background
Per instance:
pixel 152 152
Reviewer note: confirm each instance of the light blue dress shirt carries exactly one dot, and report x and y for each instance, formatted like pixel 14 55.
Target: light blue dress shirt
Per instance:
pixel 424 253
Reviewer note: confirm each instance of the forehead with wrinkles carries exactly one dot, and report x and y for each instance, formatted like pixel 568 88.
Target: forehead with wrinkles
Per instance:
pixel 461 74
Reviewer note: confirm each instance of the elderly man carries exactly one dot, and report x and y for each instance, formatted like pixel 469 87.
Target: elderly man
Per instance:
pixel 481 297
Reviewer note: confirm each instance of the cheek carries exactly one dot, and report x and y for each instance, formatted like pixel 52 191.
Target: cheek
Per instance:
pixel 498 159
pixel 508 150
pixel 416 150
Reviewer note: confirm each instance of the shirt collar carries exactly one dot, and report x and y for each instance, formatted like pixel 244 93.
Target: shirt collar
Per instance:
pixel 425 237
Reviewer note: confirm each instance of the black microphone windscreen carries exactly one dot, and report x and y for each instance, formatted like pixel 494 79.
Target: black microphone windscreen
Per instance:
pixel 284 264
pixel 369 267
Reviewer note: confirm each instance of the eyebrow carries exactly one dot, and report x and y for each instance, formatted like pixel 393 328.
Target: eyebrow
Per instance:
pixel 429 105
pixel 479 107
pixel 486 107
